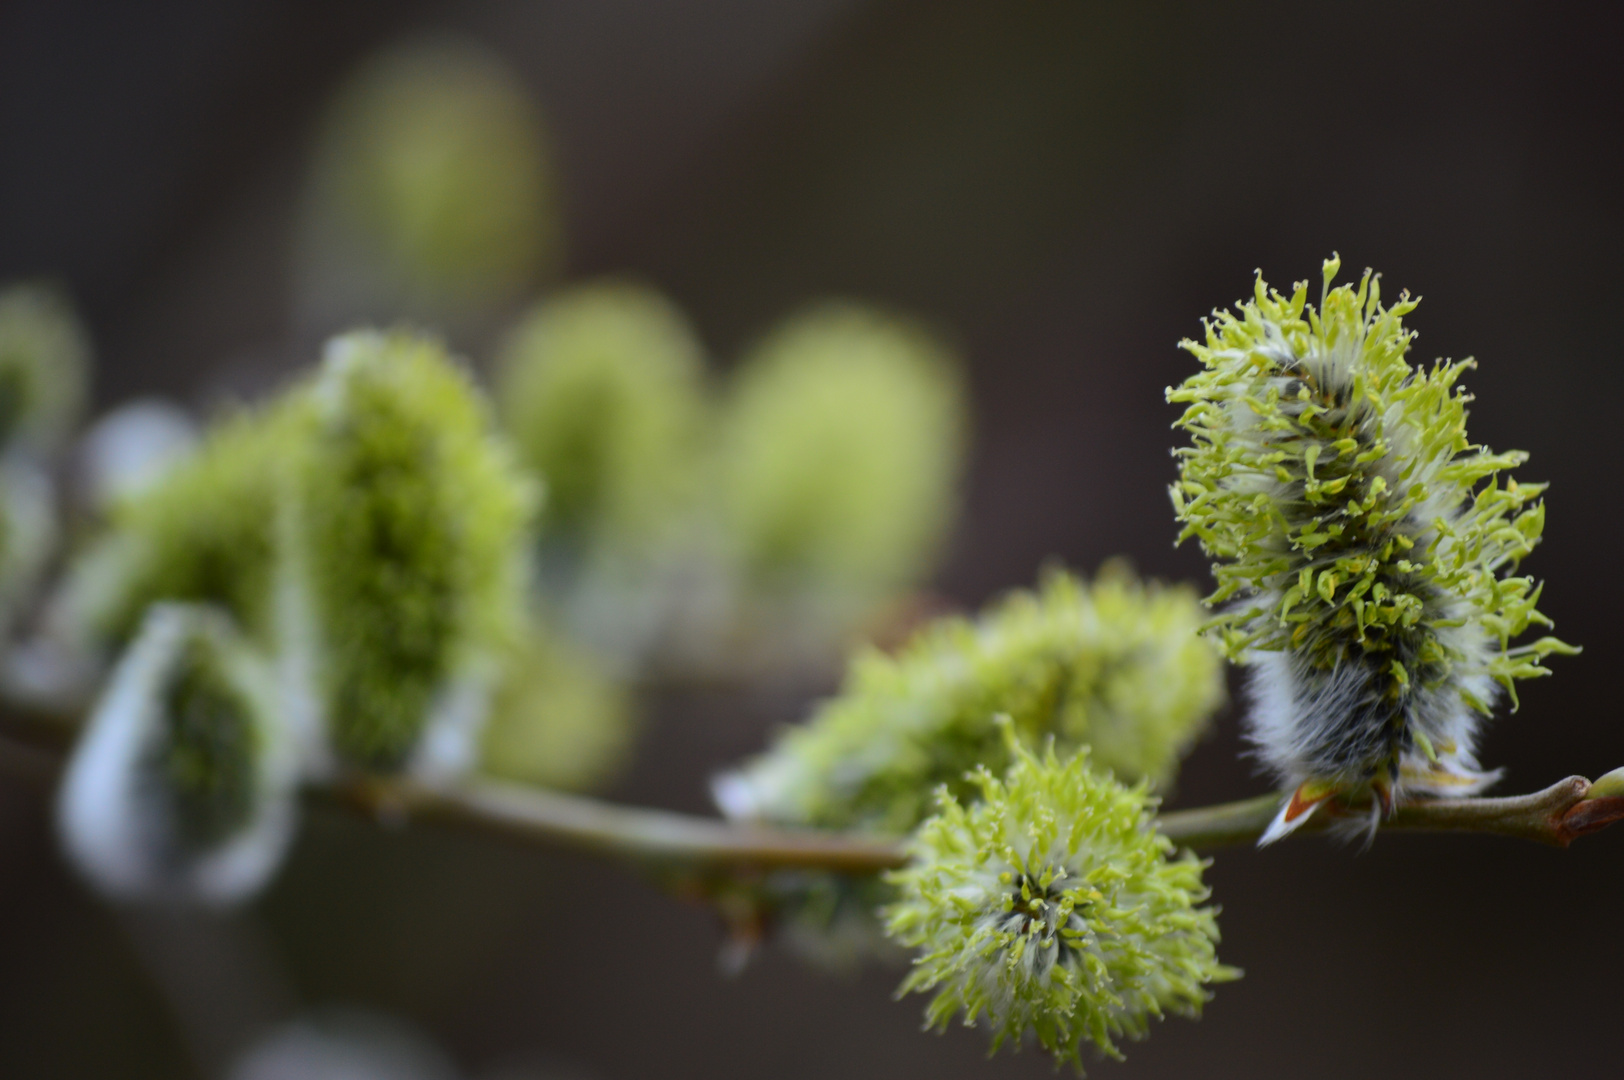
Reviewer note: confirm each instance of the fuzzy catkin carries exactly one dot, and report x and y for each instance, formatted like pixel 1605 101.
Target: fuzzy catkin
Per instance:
pixel 432 187
pixel 205 532
pixel 840 446
pixel 1052 906
pixel 1116 664
pixel 602 388
pixel 45 359
pixel 1363 548
pixel 182 786
pixel 411 526
pixel 557 719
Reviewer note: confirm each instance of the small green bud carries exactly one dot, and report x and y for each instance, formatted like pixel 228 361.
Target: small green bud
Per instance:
pixel 412 537
pixel 44 367
pixel 432 189
pixel 1607 786
pixel 1118 665
pixel 602 389
pixel 841 446
pixel 181 787
pixel 557 720
pixel 1054 907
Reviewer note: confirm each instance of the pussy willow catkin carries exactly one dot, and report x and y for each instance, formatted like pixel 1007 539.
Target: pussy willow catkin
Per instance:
pixel 1364 549
pixel 182 786
pixel 45 358
pixel 412 523
pixel 1114 664
pixel 1052 906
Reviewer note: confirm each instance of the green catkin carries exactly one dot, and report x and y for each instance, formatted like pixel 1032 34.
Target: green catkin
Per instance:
pixel 1364 549
pixel 432 187
pixel 1051 906
pixel 44 367
pixel 602 390
pixel 182 786
pixel 211 747
pixel 412 521
pixel 840 450
pixel 557 719
pixel 1116 664
pixel 205 532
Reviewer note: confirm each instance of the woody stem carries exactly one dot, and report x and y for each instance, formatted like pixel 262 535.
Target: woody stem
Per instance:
pixel 1557 815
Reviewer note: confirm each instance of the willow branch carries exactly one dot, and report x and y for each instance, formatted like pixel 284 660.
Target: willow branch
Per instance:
pixel 596 827
pixel 1557 815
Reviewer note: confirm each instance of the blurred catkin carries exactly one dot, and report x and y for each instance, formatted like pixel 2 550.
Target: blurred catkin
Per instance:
pixel 841 444
pixel 602 389
pixel 431 193
pixel 1116 664
pixel 412 526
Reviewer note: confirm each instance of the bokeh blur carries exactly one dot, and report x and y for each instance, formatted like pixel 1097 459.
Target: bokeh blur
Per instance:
pixel 1058 191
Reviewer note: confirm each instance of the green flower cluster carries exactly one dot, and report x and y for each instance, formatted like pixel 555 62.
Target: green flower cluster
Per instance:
pixel 1053 906
pixel 1117 665
pixel 205 532
pixel 432 187
pixel 44 366
pixel 841 443
pixel 556 719
pixel 753 529
pixel 412 533
pixel 334 578
pixel 182 786
pixel 366 526
pixel 1365 543
pixel 602 388
pixel 214 732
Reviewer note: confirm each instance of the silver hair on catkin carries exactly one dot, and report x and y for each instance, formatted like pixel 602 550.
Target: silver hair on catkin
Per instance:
pixel 1364 550
pixel 182 787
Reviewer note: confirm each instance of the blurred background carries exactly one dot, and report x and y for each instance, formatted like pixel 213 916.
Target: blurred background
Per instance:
pixel 1060 189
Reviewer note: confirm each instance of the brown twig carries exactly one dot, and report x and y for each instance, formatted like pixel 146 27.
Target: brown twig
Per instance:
pixel 1557 816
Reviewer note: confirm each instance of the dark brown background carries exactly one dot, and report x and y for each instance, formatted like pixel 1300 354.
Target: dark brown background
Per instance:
pixel 1069 185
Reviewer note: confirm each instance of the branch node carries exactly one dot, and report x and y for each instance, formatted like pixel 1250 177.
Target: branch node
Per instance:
pixel 1591 815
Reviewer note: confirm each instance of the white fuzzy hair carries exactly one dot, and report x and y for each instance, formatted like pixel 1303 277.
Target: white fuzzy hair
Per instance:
pixel 1307 722
pixel 114 817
